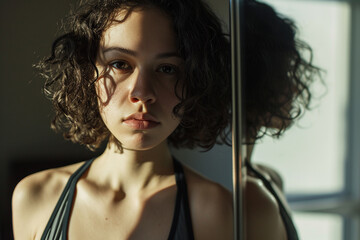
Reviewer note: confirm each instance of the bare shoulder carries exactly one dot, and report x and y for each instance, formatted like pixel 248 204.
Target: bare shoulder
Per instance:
pixel 211 207
pixel 270 174
pixel 262 212
pixel 34 199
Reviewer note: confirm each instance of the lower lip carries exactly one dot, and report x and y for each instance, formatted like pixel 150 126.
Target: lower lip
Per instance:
pixel 140 124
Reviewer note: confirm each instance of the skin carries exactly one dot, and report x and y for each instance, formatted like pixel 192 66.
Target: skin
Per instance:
pixel 263 219
pixel 129 194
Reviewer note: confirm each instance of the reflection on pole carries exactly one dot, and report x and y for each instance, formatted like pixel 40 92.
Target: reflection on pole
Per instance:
pixel 236 17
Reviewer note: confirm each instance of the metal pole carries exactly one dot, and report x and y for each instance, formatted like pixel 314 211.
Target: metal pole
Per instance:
pixel 238 176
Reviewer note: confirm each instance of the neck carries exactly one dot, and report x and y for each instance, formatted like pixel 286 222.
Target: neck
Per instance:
pixel 133 171
pixel 249 148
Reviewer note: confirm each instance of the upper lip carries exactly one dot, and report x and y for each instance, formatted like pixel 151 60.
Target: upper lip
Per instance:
pixel 141 117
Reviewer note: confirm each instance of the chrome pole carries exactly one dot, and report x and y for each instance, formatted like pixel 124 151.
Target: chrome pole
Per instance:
pixel 236 17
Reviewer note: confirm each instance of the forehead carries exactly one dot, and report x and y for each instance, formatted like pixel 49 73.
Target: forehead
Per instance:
pixel 140 28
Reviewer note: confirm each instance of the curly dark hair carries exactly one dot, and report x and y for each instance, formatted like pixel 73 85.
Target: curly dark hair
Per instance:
pixel 278 72
pixel 205 99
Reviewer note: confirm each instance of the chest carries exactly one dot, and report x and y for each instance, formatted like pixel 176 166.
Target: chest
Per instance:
pixel 125 218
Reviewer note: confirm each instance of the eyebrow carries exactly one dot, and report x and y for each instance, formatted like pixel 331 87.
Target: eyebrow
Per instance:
pixel 134 53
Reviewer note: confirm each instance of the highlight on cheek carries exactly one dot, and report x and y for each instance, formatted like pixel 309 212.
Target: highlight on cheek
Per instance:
pixel 105 87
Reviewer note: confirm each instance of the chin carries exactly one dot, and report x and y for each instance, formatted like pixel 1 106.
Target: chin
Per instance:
pixel 140 147
pixel 141 143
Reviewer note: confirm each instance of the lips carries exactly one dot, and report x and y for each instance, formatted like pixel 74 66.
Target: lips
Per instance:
pixel 141 121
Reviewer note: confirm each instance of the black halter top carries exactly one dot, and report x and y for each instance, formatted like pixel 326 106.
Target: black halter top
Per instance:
pixel 181 228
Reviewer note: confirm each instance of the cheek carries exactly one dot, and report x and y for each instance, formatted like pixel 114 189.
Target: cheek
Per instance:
pixel 169 100
pixel 173 99
pixel 105 88
pixel 171 90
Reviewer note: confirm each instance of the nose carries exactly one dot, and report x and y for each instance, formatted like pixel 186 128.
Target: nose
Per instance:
pixel 142 89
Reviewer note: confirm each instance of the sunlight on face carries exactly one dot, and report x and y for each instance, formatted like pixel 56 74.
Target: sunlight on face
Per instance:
pixel 139 66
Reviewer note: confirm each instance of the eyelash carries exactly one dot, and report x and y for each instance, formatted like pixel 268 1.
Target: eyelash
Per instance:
pixel 174 69
pixel 122 68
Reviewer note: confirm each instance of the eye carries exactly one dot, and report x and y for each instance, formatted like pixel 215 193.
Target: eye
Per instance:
pixel 121 65
pixel 168 69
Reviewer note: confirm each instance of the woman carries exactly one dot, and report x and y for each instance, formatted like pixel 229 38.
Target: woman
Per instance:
pixel 140 74
pixel 277 90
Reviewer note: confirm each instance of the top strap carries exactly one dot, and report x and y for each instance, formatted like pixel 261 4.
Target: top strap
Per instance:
pixel 181 228
pixel 57 226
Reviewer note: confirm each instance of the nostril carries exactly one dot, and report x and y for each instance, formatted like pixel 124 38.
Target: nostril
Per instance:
pixel 134 99
pixel 150 100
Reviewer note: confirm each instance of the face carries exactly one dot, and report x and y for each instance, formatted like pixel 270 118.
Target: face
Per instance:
pixel 139 67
